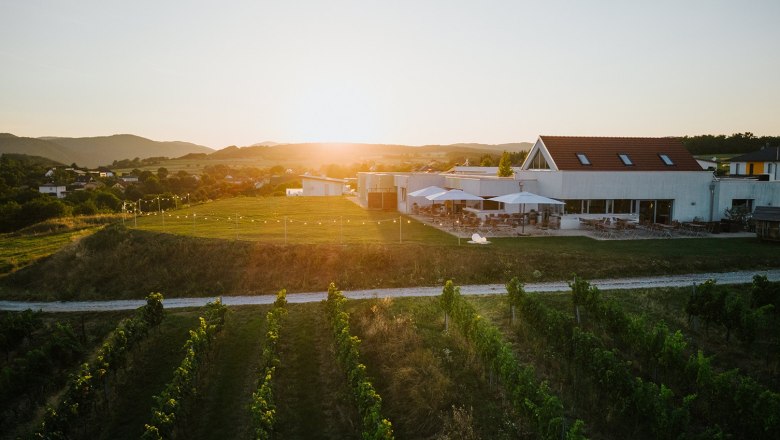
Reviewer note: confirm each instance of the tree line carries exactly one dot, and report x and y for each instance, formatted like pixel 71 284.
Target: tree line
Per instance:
pixel 737 143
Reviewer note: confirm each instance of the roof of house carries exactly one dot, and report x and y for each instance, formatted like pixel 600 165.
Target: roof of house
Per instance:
pixel 603 153
pixel 771 154
pixel 327 179
pixel 767 213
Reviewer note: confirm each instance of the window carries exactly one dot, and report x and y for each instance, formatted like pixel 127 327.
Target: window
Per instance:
pixel 666 159
pixel 583 158
pixel 625 159
pixel 538 162
pixel 597 207
pixel 743 204
pixel 622 206
pixel 573 206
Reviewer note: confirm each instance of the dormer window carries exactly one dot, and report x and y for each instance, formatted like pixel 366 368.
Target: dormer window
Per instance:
pixel 625 159
pixel 583 159
pixel 666 160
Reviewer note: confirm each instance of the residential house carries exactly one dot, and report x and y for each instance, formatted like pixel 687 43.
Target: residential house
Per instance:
pixel 52 189
pixel 764 163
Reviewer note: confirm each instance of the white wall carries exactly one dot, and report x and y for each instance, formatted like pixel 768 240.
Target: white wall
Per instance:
pixel 762 193
pixel 410 182
pixel 689 189
pixel 316 187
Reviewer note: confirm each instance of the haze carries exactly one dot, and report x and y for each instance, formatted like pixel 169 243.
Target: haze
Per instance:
pixel 408 72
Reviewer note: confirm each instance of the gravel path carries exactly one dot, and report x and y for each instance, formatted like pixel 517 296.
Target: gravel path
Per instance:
pixel 481 289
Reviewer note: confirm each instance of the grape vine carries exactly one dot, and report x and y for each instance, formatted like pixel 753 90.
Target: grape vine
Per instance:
pixel 171 405
pixel 529 396
pixel 375 427
pixel 262 407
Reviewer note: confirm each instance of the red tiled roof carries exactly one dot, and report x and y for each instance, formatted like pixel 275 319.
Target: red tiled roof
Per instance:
pixel 603 153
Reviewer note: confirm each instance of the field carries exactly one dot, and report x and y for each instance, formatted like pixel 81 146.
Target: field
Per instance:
pixel 440 384
pixel 290 220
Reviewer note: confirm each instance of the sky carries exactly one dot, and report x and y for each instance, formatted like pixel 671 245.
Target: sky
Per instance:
pixel 406 72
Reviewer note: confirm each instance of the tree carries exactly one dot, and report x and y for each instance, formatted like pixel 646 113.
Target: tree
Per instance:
pixel 505 165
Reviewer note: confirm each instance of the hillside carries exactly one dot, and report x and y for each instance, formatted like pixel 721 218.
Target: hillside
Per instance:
pixel 39 147
pixel 103 150
pixel 315 154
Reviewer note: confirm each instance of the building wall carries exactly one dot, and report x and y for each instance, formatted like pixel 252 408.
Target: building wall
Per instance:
pixel 762 194
pixel 743 168
pixel 58 191
pixel 315 187
pixel 689 189
pixel 410 182
pixel 373 182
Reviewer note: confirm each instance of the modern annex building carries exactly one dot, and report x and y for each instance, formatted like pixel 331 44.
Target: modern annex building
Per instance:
pixel 648 179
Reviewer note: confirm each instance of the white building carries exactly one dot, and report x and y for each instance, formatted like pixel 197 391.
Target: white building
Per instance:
pixel 647 179
pixel 58 191
pixel 323 186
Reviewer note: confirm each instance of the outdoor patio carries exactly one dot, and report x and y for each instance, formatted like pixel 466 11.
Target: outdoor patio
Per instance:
pixel 465 224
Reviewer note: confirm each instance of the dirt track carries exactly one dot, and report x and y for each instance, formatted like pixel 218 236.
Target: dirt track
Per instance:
pixel 482 289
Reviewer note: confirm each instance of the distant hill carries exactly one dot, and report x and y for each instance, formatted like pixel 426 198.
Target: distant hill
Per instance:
pixel 314 154
pixel 38 147
pixel 33 160
pixel 103 150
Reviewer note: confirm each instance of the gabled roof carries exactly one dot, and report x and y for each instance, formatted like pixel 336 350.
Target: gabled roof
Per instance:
pixel 767 213
pixel 771 154
pixel 602 153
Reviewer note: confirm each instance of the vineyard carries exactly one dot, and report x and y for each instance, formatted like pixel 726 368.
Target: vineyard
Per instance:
pixel 700 362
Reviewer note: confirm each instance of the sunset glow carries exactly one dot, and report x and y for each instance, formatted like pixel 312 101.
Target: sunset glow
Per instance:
pixel 388 72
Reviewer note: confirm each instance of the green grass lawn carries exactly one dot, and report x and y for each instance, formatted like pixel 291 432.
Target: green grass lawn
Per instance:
pixel 19 251
pixel 290 220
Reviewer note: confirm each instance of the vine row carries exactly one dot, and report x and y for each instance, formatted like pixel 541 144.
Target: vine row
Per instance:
pixel 530 397
pixel 262 407
pixel 81 392
pixel 171 404
pixel 734 402
pixel 375 427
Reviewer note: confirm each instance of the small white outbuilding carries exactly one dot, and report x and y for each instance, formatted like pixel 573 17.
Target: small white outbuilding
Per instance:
pixel 323 186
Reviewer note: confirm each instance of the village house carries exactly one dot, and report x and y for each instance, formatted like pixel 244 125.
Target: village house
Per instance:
pixel 59 191
pixel 763 163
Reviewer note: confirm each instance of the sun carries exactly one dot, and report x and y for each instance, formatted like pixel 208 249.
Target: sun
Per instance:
pixel 336 111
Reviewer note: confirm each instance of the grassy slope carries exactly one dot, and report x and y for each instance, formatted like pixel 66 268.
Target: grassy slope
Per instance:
pixel 19 251
pixel 119 263
pixel 236 246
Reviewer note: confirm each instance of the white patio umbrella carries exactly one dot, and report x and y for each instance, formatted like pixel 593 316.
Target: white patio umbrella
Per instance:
pixel 453 194
pixel 427 191
pixel 524 197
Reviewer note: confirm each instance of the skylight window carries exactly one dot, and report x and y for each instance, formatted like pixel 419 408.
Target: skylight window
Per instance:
pixel 666 159
pixel 625 159
pixel 583 158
